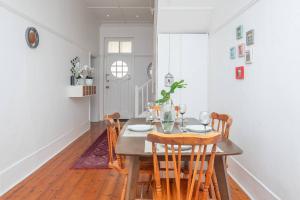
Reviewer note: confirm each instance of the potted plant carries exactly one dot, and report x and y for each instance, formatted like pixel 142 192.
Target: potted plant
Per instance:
pixel 167 114
pixel 89 77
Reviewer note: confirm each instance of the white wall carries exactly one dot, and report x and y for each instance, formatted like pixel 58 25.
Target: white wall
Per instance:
pixel 69 19
pixel 225 11
pixel 142 35
pixel 188 61
pixel 264 106
pixel 37 119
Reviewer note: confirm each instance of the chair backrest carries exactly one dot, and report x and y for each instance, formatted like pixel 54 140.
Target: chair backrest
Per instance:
pixel 116 117
pixel 115 161
pixel 200 147
pixel 156 109
pixel 221 123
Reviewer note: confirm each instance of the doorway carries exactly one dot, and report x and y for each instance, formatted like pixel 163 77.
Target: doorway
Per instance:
pixel 118 82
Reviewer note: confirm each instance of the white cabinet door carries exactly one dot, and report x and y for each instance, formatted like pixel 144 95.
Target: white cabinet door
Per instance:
pixel 188 61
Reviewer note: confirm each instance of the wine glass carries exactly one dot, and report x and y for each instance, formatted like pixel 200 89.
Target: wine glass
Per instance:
pixel 182 110
pixel 149 107
pixel 204 119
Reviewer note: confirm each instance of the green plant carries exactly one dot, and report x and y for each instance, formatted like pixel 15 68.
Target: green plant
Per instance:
pixel 166 96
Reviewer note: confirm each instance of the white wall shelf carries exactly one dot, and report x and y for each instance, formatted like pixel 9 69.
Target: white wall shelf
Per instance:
pixel 81 91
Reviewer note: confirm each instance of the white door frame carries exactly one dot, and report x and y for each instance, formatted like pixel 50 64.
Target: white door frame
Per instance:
pixel 132 81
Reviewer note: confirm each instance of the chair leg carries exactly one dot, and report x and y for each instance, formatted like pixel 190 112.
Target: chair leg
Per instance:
pixel 216 186
pixel 124 189
pixel 149 183
pixel 211 192
pixel 142 192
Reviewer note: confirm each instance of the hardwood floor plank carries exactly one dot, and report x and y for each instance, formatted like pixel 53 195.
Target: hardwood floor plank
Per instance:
pixel 57 181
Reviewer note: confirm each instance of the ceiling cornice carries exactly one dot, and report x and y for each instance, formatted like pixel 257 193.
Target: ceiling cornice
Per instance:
pixel 199 8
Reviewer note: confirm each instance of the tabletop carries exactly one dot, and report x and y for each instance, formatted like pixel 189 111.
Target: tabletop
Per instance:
pixel 135 146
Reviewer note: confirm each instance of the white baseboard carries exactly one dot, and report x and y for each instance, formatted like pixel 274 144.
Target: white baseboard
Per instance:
pixel 17 172
pixel 251 185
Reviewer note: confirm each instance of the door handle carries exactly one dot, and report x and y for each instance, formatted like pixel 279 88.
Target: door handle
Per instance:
pixel 107 87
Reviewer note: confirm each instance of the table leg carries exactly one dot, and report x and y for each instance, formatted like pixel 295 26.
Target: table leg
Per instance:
pixel 133 175
pixel 221 173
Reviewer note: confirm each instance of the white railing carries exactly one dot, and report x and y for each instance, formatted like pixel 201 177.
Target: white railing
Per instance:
pixel 143 94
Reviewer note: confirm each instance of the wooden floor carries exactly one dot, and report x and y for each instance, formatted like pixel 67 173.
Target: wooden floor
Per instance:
pixel 55 180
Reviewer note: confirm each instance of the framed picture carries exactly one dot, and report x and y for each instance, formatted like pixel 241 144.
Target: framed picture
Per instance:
pixel 232 53
pixel 239 73
pixel 250 37
pixel 239 32
pixel 248 56
pixel 241 50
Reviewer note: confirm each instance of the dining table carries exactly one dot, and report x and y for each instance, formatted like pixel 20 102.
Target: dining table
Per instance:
pixel 133 147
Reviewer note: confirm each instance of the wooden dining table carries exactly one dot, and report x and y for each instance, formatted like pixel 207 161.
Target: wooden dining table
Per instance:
pixel 134 150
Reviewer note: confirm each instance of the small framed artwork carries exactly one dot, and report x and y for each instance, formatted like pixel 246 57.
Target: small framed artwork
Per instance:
pixel 248 56
pixel 239 32
pixel 241 50
pixel 250 37
pixel 239 73
pixel 232 53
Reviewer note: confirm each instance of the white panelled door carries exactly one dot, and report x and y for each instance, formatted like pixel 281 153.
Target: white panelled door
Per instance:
pixel 118 88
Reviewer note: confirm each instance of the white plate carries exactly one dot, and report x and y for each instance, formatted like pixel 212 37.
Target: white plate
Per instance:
pixel 198 128
pixel 140 127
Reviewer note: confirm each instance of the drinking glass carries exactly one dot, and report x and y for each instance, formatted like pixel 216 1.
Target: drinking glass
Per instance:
pixel 149 107
pixel 182 110
pixel 204 119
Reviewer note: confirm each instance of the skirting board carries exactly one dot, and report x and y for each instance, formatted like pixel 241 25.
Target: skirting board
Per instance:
pixel 251 185
pixel 23 168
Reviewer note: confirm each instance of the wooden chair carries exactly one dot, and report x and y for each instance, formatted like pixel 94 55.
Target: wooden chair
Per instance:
pixel 221 123
pixel 118 162
pixel 116 117
pixel 178 188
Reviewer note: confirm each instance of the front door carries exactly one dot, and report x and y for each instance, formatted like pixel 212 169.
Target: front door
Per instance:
pixel 118 87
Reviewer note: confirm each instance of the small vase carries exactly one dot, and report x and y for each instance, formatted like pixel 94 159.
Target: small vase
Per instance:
pixel 89 81
pixel 167 117
pixel 79 81
pixel 72 80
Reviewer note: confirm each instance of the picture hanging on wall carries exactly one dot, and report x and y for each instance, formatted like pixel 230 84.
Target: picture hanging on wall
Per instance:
pixel 239 73
pixel 239 32
pixel 232 53
pixel 241 50
pixel 250 37
pixel 249 56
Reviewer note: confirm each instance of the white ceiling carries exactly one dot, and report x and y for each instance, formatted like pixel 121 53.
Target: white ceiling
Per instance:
pixel 122 11
pixel 197 15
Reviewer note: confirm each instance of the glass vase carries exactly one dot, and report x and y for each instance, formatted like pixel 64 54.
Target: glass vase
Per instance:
pixel 167 117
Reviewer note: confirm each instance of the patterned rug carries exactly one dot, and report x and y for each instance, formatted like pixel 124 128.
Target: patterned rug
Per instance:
pixel 96 156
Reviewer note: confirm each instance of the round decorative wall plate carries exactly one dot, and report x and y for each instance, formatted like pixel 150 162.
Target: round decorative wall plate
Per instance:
pixel 32 37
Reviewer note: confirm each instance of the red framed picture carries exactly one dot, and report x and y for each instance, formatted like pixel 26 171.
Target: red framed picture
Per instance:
pixel 239 73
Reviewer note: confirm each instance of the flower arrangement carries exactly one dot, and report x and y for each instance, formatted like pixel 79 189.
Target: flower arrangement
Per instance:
pixel 166 96
pixel 85 71
pixel 89 72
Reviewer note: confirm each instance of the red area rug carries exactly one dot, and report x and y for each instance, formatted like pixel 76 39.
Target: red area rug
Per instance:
pixel 96 156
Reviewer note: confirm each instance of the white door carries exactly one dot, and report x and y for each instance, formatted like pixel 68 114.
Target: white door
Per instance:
pixel 118 87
